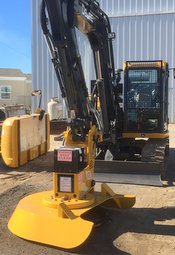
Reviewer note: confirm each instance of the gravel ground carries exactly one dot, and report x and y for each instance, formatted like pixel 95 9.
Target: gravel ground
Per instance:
pixel 147 228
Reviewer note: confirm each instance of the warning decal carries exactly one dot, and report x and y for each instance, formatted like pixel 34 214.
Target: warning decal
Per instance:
pixel 64 155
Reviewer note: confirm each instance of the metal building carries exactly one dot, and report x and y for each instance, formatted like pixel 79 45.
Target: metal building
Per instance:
pixel 145 30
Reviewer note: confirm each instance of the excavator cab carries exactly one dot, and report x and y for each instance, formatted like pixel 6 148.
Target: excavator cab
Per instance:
pixel 146 97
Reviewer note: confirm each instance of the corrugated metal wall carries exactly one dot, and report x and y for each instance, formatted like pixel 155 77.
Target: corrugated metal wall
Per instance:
pixel 118 8
pixel 43 74
pixel 145 29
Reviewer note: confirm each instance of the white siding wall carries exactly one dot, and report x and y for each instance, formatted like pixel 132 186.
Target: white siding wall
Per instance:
pixel 145 30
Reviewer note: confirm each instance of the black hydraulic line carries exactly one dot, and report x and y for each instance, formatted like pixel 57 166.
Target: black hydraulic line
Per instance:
pixel 52 49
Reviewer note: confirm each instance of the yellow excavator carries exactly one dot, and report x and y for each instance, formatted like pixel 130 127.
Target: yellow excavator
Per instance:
pixel 59 217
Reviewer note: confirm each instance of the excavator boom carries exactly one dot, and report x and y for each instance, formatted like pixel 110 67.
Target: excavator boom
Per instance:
pixel 65 17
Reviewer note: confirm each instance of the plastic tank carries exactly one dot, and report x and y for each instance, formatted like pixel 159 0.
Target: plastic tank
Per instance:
pixel 55 109
pixel 24 138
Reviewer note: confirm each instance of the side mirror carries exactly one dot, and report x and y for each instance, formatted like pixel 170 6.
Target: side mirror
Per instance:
pixel 37 92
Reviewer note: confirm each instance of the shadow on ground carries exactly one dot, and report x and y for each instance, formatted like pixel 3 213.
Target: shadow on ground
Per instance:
pixel 134 221
pixel 43 163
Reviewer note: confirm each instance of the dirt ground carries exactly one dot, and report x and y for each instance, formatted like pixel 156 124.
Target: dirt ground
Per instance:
pixel 147 228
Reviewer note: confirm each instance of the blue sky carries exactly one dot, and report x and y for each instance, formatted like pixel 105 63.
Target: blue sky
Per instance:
pixel 15 34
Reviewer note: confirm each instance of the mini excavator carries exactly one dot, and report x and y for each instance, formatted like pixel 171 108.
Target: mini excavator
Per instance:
pixel 58 217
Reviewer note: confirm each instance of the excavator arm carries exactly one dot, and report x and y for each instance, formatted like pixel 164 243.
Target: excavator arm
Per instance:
pixel 65 17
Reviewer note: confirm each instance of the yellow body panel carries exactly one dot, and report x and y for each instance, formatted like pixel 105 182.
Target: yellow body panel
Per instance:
pixel 24 138
pixel 142 64
pixel 145 135
pixel 34 221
